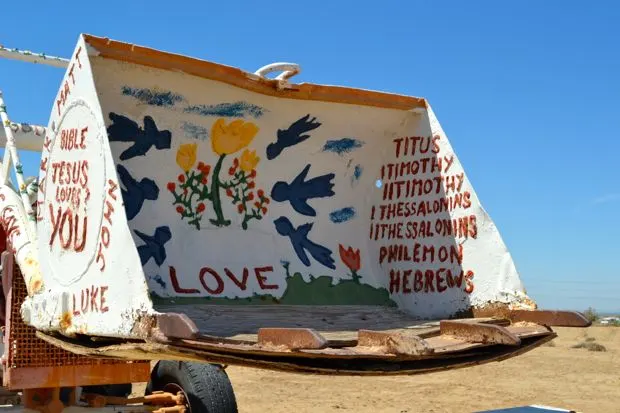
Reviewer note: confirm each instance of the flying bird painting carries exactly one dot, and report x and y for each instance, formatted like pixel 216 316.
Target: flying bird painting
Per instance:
pixel 291 136
pixel 154 245
pixel 300 190
pixel 301 243
pixel 135 193
pixel 124 129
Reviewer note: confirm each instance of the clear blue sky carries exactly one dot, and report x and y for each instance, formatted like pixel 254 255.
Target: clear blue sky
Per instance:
pixel 527 91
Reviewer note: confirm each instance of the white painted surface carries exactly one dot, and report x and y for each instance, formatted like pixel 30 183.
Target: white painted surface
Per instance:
pixel 94 285
pixel 248 262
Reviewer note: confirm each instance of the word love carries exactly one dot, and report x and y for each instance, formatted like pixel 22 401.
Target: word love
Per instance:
pixel 213 283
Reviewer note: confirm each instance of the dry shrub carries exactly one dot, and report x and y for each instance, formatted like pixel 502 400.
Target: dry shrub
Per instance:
pixel 590 346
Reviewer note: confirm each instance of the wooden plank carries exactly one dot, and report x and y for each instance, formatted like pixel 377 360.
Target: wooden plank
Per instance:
pixel 337 322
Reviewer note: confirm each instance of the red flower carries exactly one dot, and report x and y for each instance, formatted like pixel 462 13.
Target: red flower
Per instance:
pixel 261 193
pixel 250 196
pixel 206 169
pixel 201 207
pixel 257 204
pixel 235 162
pixel 181 178
pixel 171 186
pixel 350 258
pixel 204 180
pixel 184 191
pixel 266 200
pixel 251 185
pixel 264 210
pixel 253 173
pixel 180 209
pixel 229 192
pixel 231 171
pixel 240 208
pixel 200 166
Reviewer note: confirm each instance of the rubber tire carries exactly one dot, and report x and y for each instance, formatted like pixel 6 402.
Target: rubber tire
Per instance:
pixel 207 386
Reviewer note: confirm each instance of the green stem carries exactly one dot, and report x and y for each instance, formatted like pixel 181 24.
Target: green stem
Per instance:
pixel 215 195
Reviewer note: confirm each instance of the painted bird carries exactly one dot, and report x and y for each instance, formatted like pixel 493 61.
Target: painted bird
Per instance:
pixel 301 243
pixel 299 191
pixel 291 136
pixel 136 192
pixel 124 129
pixel 154 245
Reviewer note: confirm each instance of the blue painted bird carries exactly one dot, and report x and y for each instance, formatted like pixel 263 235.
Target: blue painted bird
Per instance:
pixel 154 245
pixel 291 136
pixel 301 243
pixel 124 129
pixel 299 191
pixel 136 192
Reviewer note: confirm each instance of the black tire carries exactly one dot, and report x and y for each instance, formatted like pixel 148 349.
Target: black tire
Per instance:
pixel 206 386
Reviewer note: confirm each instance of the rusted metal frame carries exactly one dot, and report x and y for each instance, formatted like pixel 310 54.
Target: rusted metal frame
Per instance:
pixel 345 367
pixel 157 398
pixel 479 332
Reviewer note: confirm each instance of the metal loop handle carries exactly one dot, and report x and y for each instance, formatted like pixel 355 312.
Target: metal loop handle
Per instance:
pixel 288 70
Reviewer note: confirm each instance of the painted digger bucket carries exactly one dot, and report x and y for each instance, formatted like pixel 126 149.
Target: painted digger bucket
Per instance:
pixel 190 210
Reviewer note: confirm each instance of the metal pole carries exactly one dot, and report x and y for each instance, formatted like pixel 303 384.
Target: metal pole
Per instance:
pixel 28 56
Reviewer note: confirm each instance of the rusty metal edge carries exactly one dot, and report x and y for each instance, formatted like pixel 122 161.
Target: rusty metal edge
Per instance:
pixel 479 332
pixel 552 318
pixel 161 352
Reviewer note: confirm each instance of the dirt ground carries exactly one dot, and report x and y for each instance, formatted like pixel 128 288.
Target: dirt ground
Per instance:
pixel 554 375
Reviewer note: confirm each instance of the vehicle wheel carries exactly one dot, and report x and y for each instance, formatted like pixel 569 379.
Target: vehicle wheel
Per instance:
pixel 206 387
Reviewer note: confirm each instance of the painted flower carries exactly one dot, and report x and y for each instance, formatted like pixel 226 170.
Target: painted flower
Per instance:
pixel 228 139
pixel 186 156
pixel 171 186
pixel 249 160
pixel 350 258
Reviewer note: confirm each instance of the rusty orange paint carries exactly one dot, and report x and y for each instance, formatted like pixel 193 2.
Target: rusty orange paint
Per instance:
pixel 79 375
pixel 65 320
pixel 131 53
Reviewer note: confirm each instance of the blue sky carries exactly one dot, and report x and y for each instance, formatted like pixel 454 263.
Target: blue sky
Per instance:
pixel 527 92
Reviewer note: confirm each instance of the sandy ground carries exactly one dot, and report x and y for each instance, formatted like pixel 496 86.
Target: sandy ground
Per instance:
pixel 554 375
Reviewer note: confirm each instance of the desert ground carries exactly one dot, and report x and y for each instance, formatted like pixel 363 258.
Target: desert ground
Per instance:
pixel 554 375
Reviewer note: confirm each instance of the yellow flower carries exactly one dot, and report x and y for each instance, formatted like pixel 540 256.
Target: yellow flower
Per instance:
pixel 186 156
pixel 248 160
pixel 227 139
